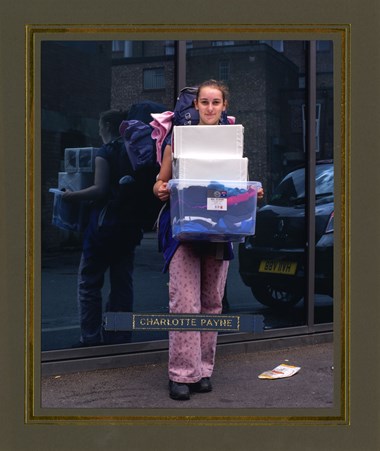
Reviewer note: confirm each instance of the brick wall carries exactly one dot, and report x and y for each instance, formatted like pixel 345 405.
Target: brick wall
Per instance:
pixel 128 88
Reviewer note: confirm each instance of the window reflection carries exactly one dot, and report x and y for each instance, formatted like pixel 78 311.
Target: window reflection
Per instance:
pixel 267 87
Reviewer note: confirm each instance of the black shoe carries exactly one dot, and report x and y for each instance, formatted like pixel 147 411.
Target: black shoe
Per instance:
pixel 202 386
pixel 179 391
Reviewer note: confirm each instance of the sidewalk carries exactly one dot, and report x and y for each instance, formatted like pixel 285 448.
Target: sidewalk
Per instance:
pixel 235 384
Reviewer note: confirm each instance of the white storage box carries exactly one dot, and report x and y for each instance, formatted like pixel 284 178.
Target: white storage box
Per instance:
pixel 211 141
pixel 73 216
pixel 213 210
pixel 206 168
pixel 75 181
pixel 80 159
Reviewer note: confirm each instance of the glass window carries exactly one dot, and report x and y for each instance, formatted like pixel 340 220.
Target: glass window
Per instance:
pixel 222 43
pixel 323 46
pixel 169 47
pixel 224 70
pixel 122 49
pixel 107 75
pixel 291 190
pixel 266 99
pixel 118 46
pixel 154 78
pixel 277 45
pixel 267 96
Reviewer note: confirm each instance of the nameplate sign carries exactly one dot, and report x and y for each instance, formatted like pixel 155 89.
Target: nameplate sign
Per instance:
pixel 116 321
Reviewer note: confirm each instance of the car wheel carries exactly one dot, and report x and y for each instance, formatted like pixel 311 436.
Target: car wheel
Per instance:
pixel 276 297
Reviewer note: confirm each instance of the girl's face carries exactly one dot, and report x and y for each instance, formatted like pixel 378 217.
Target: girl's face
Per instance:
pixel 104 132
pixel 210 105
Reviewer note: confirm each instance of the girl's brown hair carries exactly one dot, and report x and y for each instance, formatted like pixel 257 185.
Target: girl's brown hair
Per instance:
pixel 215 84
pixel 113 118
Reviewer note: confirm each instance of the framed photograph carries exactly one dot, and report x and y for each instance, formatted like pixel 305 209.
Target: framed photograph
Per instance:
pixel 60 61
pixel 124 73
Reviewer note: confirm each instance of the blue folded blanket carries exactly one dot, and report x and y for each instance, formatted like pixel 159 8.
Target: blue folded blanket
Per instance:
pixel 191 216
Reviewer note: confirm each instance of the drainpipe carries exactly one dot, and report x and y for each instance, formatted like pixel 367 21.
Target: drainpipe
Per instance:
pixel 180 67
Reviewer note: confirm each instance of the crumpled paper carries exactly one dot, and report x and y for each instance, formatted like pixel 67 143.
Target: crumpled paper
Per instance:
pixel 280 372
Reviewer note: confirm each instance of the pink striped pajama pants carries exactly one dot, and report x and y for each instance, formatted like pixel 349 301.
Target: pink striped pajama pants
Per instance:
pixel 196 285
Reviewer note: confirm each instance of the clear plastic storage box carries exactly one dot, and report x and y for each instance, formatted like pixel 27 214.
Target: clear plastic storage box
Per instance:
pixel 80 159
pixel 75 181
pixel 213 210
pixel 68 215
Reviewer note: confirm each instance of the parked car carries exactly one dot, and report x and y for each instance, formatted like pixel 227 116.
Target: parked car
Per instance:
pixel 272 263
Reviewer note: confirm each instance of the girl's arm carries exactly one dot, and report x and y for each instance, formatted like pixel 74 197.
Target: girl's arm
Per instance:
pixel 96 191
pixel 160 188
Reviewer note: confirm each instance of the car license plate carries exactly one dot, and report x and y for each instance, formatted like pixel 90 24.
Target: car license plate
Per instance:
pixel 278 267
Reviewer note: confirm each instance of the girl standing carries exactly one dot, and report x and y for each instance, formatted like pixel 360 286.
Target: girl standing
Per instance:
pixel 111 236
pixel 197 274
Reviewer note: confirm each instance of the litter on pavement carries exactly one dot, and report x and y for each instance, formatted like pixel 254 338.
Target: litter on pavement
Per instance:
pixel 280 372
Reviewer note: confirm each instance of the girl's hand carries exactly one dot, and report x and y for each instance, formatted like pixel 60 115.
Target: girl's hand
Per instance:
pixel 260 193
pixel 67 194
pixel 163 192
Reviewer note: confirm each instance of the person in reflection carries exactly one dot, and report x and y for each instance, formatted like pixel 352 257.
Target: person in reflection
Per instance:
pixel 197 273
pixel 111 236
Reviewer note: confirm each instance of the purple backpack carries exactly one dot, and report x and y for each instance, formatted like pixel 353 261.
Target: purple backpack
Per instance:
pixel 138 143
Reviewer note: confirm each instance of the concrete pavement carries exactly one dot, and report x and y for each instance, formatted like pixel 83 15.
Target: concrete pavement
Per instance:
pixel 235 383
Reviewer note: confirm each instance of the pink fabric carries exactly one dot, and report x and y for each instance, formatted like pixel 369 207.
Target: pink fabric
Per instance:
pixel 196 285
pixel 243 197
pixel 162 124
